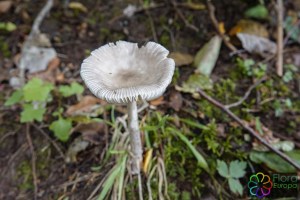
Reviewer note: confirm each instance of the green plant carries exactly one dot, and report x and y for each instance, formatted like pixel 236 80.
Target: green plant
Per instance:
pixel 249 68
pixel 232 173
pixel 34 97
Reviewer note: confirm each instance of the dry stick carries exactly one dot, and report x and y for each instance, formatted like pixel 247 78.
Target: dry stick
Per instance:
pixel 249 129
pixel 38 20
pixel 279 63
pixel 153 30
pixel 211 10
pixel 248 92
pixel 187 24
pixel 56 146
pixel 33 160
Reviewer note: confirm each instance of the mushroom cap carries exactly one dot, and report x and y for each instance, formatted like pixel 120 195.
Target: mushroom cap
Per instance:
pixel 123 72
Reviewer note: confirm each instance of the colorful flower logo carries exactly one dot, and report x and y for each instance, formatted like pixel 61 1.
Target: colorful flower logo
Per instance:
pixel 260 185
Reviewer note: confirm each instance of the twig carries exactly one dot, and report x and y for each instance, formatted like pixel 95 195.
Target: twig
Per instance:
pixel 187 24
pixel 153 30
pixel 249 129
pixel 33 160
pixel 279 63
pixel 50 140
pixel 38 20
pixel 211 10
pixel 248 92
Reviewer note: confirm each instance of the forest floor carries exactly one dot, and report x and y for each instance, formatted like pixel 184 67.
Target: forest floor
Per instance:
pixel 71 145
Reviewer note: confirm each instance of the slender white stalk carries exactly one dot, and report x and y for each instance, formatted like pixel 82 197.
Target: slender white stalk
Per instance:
pixel 135 138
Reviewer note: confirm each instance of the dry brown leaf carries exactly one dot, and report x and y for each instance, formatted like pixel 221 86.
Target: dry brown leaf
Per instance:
pixel 77 6
pixel 50 74
pixel 91 132
pixel 194 6
pixel 78 145
pixel 158 101
pixel 85 105
pixel 181 58
pixel 176 100
pixel 222 28
pixel 249 27
pixel 258 45
pixel 147 158
pixel 5 6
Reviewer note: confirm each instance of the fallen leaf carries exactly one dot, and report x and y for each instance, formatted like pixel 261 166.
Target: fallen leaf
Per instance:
pixel 249 27
pixel 275 162
pixel 92 132
pixel 158 101
pixel 194 6
pixel 147 159
pixel 259 12
pixel 7 26
pixel 5 6
pixel 86 105
pixel 77 6
pixel 206 58
pixel 181 58
pixel 194 82
pixel 221 27
pixel 49 75
pixel 130 10
pixel 36 59
pixel 176 100
pixel 78 145
pixel 256 44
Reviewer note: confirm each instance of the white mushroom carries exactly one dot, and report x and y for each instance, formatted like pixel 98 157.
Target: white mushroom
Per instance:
pixel 123 73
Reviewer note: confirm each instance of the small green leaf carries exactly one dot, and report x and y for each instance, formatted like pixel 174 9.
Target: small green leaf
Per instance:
pixel 235 186
pixel 288 103
pixel 237 169
pixel 222 168
pixel 7 26
pixel 196 81
pixel 16 97
pixel 288 76
pixel 74 88
pixel 30 113
pixel 258 12
pixel 61 128
pixel 201 160
pixel 275 162
pixel 36 90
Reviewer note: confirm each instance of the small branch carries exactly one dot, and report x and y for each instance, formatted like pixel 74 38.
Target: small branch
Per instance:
pixel 56 146
pixel 249 129
pixel 246 94
pixel 135 137
pixel 279 63
pixel 38 20
pixel 211 10
pixel 33 160
pixel 187 24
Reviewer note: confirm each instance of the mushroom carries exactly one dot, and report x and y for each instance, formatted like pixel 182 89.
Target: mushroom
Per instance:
pixel 123 73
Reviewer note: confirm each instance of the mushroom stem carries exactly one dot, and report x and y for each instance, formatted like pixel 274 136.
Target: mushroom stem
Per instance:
pixel 135 138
